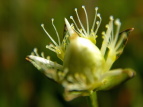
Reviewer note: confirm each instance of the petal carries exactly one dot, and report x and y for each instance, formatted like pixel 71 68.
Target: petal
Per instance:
pixel 51 69
pixel 116 77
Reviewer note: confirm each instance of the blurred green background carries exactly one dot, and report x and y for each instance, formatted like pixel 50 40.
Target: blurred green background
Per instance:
pixel 22 85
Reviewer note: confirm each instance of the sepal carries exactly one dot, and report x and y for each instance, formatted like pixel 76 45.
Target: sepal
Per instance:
pixel 118 76
pixel 51 69
pixel 70 95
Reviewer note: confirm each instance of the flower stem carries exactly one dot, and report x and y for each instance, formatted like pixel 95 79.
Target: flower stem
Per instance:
pixel 93 100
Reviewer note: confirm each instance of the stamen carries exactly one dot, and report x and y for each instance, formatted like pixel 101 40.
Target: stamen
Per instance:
pixel 108 35
pixel 94 18
pixel 103 35
pixel 71 17
pixel 117 22
pixel 87 22
pixel 106 26
pixel 111 18
pixel 48 57
pixel 56 31
pixel 42 54
pixel 80 21
pixel 50 47
pixel 36 52
pixel 98 22
pixel 42 25
pixel 32 53
pixel 112 32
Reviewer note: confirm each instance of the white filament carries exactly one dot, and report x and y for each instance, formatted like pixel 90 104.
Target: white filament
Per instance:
pixel 56 32
pixel 98 23
pixel 94 18
pixel 117 22
pixel 107 36
pixel 71 17
pixel 80 21
pixel 87 22
pixel 42 25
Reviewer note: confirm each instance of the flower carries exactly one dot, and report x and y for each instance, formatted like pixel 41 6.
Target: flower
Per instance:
pixel 86 67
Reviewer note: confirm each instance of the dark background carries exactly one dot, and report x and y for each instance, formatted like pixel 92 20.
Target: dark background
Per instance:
pixel 22 85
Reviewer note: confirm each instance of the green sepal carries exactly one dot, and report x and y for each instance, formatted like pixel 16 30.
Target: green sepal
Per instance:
pixel 111 81
pixel 126 32
pixel 51 69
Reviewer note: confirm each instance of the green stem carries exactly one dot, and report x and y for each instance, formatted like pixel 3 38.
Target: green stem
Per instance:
pixel 93 100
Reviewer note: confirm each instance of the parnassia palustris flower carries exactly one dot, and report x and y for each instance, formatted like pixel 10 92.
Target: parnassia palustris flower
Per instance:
pixel 85 67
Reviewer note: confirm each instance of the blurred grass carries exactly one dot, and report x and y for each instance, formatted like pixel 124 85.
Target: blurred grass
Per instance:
pixel 22 85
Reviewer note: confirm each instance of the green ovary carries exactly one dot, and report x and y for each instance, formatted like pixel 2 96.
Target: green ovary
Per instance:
pixel 84 58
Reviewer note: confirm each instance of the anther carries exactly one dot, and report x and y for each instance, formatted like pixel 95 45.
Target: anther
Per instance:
pixel 52 19
pixel 103 33
pixel 107 26
pixel 97 22
pixel 117 22
pixel 83 6
pixel 96 8
pixel 71 17
pixel 36 51
pixel 98 15
pixel 42 54
pixel 42 25
pixel 111 18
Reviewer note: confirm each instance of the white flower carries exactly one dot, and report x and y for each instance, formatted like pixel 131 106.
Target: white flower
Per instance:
pixel 86 67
